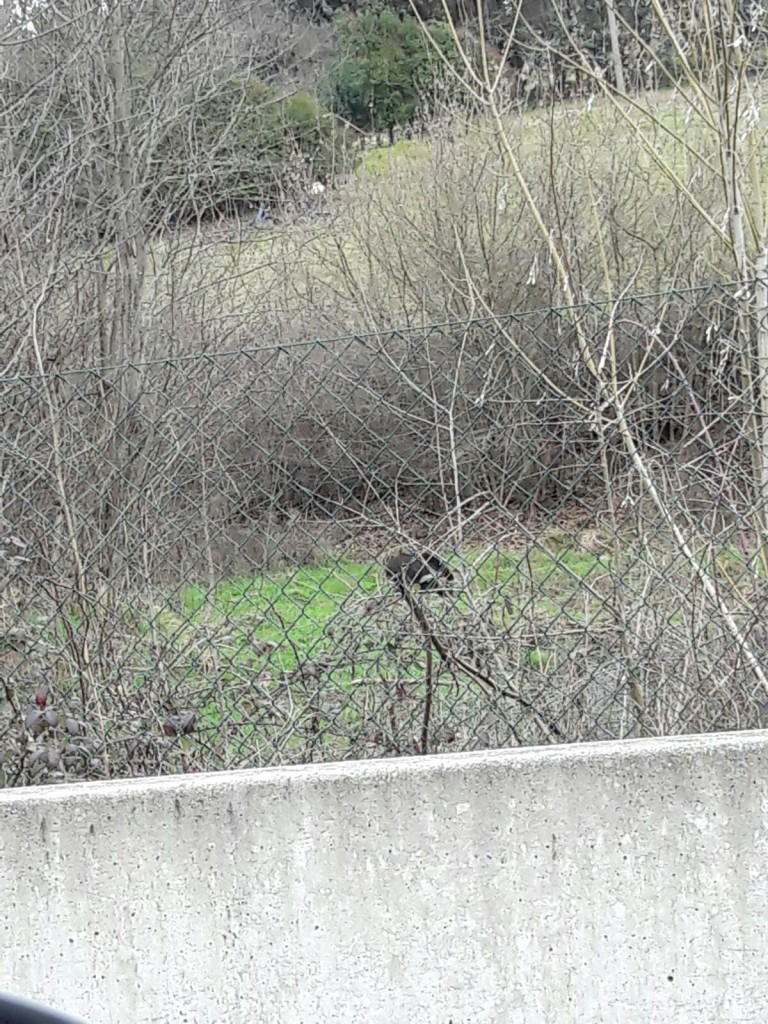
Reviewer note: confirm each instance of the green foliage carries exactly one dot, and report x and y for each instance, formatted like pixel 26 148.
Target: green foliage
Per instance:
pixel 246 144
pixel 387 67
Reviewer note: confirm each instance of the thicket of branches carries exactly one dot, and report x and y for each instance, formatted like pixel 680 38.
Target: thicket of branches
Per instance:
pixel 101 99
pixel 138 453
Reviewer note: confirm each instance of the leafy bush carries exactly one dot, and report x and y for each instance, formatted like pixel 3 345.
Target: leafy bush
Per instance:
pixel 386 67
pixel 246 144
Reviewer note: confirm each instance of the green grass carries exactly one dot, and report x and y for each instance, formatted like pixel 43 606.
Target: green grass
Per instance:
pixel 307 600
pixel 280 622
pixel 324 661
pixel 291 610
pixel 276 624
pixel 383 158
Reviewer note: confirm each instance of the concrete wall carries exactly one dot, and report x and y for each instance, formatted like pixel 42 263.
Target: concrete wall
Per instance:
pixel 597 884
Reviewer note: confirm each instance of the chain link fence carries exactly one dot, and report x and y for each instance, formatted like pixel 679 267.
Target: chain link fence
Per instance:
pixel 194 551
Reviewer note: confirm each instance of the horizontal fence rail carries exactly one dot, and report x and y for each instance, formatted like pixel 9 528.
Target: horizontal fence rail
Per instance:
pixel 539 528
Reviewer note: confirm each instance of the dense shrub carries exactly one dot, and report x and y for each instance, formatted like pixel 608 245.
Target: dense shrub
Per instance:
pixel 386 67
pixel 246 145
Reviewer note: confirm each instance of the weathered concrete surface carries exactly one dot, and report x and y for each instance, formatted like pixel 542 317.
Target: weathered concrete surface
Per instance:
pixel 594 884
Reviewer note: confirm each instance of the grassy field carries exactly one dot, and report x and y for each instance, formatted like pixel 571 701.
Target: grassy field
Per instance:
pixel 326 662
pixel 395 243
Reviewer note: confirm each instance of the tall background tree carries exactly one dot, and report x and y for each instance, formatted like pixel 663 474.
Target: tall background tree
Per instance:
pixel 384 71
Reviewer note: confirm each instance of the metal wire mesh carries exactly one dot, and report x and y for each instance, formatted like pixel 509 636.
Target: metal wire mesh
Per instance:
pixel 192 553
